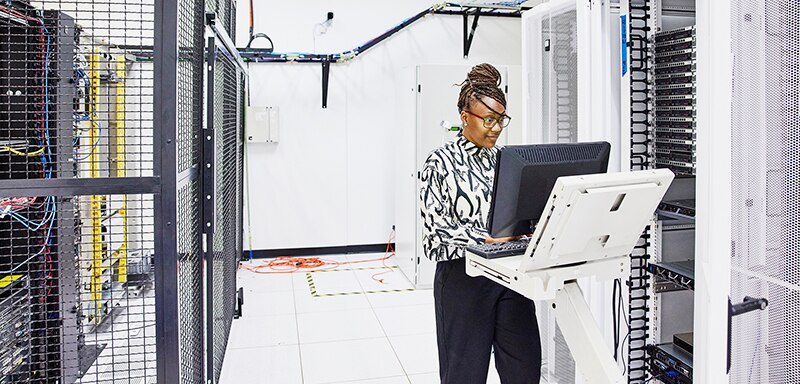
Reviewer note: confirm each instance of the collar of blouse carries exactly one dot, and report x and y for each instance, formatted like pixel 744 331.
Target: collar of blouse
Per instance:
pixel 473 149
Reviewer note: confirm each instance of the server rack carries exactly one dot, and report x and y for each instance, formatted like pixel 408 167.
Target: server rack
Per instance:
pixel 725 88
pixel 675 146
pixel 663 135
pixel 36 53
pixel 675 127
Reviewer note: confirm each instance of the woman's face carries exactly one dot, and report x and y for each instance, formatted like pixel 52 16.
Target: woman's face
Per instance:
pixel 474 127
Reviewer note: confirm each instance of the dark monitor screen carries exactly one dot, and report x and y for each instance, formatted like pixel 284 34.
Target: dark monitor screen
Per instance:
pixel 525 176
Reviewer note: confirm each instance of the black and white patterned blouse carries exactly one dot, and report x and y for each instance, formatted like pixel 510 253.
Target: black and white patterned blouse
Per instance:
pixel 456 190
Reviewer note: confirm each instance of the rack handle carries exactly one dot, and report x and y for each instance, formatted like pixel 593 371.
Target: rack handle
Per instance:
pixel 748 304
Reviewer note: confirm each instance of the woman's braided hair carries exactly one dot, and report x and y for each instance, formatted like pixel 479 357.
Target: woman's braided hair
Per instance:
pixel 482 80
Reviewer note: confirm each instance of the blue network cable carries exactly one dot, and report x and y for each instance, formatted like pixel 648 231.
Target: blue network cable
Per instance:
pixel 46 221
pixel 35 226
pixel 94 145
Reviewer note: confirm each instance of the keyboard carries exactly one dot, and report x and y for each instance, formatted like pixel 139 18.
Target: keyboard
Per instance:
pixel 493 251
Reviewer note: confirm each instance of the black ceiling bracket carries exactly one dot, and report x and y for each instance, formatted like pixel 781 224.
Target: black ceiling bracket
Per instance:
pixel 326 71
pixel 469 34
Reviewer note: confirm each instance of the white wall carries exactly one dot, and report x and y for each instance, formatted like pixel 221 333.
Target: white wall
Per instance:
pixel 329 181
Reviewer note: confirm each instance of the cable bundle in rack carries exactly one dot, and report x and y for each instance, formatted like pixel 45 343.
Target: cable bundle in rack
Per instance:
pixel 18 208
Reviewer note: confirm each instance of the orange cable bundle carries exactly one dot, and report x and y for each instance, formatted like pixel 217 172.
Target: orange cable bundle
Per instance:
pixel 286 264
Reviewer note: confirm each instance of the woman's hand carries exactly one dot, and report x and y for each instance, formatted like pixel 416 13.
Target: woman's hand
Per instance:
pixel 492 240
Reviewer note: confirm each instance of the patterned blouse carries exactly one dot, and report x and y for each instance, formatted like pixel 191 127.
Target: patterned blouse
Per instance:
pixel 456 190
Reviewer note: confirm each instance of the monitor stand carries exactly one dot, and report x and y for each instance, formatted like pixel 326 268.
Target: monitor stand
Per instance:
pixel 593 225
pixel 559 288
pixel 584 339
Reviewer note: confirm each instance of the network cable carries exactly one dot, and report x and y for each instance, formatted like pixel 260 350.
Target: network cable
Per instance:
pixel 94 145
pixel 20 153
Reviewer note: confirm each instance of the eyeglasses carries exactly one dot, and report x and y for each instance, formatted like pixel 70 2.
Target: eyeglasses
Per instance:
pixel 489 121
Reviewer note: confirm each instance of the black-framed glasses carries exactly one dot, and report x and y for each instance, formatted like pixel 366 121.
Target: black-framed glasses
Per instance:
pixel 490 121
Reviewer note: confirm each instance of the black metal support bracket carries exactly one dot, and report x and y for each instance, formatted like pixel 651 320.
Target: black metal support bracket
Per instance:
pixel 237 312
pixel 326 71
pixel 469 34
pixel 749 304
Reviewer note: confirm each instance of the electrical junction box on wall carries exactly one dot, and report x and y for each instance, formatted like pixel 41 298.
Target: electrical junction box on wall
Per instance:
pixel 261 124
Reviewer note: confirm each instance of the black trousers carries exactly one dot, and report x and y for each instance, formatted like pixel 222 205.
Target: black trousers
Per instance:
pixel 474 314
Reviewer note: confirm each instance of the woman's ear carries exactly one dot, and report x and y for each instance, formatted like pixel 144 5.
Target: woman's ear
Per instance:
pixel 463 118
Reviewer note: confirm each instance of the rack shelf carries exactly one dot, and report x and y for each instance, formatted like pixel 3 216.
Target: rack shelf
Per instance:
pixel 673 276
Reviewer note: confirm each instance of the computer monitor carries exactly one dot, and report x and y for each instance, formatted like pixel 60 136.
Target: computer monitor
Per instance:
pixel 525 176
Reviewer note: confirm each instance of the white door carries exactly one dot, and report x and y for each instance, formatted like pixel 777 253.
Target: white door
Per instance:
pixel 765 185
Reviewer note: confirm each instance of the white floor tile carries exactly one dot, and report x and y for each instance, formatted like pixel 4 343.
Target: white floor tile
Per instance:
pixel 335 282
pixel 265 331
pixel 433 378
pixel 427 378
pixel 338 326
pixel 262 365
pixel 306 303
pixel 386 380
pixel 299 282
pixel 417 353
pixel 410 320
pixel 267 304
pixel 263 283
pixel 399 299
pixel 493 377
pixel 392 279
pixel 349 361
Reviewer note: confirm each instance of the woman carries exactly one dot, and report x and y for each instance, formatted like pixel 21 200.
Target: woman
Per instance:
pixel 473 314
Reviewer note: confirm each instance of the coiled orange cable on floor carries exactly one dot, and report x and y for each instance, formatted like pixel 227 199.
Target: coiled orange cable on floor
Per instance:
pixel 286 264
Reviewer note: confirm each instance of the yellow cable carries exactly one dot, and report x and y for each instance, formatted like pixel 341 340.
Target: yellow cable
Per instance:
pixel 95 201
pixel 29 154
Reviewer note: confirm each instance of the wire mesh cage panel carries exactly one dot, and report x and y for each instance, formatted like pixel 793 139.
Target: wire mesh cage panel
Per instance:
pixel 766 202
pixel 228 122
pixel 191 50
pixel 190 285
